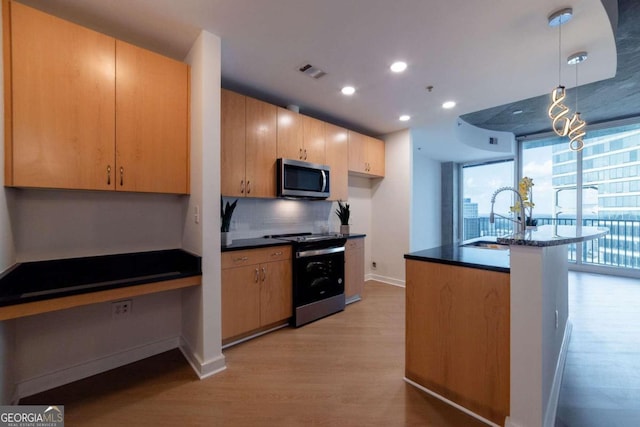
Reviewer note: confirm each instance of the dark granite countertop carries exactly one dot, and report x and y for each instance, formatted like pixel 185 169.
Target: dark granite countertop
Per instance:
pixel 481 258
pixel 41 280
pixel 262 242
pixel 549 235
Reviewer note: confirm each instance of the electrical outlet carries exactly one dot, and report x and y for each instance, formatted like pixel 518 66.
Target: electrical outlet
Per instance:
pixel 196 214
pixel 121 309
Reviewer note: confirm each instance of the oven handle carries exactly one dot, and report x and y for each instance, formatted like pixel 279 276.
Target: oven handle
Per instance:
pixel 316 252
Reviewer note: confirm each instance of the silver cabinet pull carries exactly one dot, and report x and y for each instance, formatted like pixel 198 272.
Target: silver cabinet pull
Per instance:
pixel 242 187
pixel 257 275
pixel 121 176
pixel 300 154
pixel 305 154
pixel 264 274
pixel 276 253
pixel 244 258
pixel 108 174
pixel 248 187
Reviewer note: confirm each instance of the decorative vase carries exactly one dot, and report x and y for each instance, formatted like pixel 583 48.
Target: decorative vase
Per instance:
pixel 225 238
pixel 344 229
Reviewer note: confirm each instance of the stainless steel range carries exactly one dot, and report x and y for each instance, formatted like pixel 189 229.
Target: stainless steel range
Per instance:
pixel 318 275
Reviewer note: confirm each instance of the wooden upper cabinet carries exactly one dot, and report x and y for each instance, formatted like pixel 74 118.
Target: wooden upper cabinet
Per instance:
pixel 375 156
pixel 260 149
pixel 152 111
pixel 366 155
pixel 85 111
pixel 232 147
pixel 313 140
pixel 248 148
pixel 337 153
pixel 60 88
pixel 290 134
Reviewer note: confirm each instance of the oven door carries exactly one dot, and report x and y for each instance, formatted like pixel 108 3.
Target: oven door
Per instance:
pixel 318 274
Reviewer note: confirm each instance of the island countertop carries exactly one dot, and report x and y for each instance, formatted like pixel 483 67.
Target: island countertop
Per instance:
pixel 455 254
pixel 549 235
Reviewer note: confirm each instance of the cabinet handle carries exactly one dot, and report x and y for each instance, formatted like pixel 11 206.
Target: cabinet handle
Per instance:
pixel 121 176
pixel 244 258
pixel 305 154
pixel 264 273
pixel 276 253
pixel 257 275
pixel 248 187
pixel 108 174
pixel 242 187
pixel 300 154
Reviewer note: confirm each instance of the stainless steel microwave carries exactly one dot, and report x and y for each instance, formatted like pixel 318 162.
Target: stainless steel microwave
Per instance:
pixel 303 179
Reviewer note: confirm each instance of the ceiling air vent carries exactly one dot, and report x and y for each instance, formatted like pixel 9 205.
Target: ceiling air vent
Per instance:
pixel 493 140
pixel 312 71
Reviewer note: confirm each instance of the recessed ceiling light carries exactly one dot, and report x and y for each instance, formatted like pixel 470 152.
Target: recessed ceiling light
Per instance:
pixel 404 118
pixel 449 104
pixel 398 67
pixel 348 90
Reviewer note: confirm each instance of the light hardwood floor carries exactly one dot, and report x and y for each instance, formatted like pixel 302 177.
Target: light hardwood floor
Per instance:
pixel 601 382
pixel 344 370
pixel 347 370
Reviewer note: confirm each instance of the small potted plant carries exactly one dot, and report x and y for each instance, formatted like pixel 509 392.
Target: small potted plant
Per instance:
pixel 225 216
pixel 343 214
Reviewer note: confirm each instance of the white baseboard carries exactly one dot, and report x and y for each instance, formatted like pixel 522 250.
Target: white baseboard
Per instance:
pixel 93 367
pixel 552 404
pixel 384 279
pixel 202 369
pixel 452 403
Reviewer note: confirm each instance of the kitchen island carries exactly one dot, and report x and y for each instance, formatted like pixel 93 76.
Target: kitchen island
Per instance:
pixel 487 329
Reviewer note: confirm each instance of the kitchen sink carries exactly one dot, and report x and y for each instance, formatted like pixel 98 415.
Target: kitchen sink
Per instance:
pixel 485 244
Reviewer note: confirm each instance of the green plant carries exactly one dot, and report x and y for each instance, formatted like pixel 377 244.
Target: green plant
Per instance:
pixel 225 214
pixel 343 213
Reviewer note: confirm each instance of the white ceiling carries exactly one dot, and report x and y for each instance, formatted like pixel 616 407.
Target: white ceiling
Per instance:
pixel 479 53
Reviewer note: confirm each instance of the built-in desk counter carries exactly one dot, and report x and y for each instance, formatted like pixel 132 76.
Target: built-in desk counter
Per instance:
pixel 42 286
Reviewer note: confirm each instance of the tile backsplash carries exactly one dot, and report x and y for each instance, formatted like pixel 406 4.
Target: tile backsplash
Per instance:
pixel 260 217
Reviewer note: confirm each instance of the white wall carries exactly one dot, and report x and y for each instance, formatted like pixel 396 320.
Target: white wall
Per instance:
pixel 360 202
pixel 201 328
pixel 425 202
pixel 50 224
pixel 391 201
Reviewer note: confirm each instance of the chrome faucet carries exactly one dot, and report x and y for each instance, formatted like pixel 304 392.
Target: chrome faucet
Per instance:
pixel 522 223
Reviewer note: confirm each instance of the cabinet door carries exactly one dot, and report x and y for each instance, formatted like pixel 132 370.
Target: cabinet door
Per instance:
pixel 313 140
pixel 337 152
pixel 240 300
pixel 275 292
pixel 152 140
pixel 232 144
pixel 290 135
pixel 260 149
pixel 354 268
pixel 62 90
pixel 375 157
pixel 357 152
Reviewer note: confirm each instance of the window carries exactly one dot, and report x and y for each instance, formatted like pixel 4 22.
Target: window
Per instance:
pixel 479 183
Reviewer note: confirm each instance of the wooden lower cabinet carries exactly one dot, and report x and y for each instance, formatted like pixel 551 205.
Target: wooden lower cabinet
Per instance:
pixel 457 335
pixel 256 290
pixel 354 269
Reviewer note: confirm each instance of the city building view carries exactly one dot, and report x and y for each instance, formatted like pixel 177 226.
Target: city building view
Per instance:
pixel 608 172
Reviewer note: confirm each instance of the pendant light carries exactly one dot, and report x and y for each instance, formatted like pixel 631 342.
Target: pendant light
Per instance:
pixel 576 125
pixel 558 112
